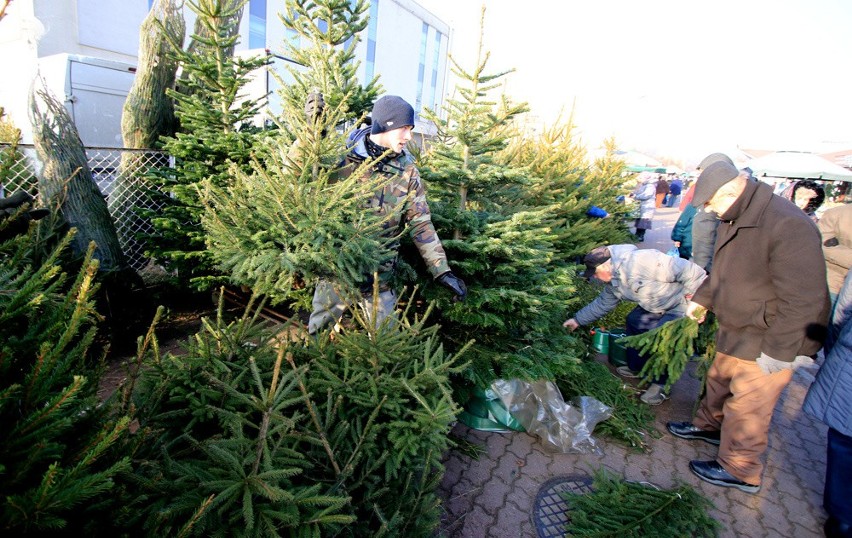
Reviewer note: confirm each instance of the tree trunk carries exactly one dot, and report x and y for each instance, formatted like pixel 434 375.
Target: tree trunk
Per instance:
pixel 66 182
pixel 148 115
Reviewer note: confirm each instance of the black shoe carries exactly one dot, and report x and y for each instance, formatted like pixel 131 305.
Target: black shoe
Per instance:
pixel 711 471
pixel 834 528
pixel 685 430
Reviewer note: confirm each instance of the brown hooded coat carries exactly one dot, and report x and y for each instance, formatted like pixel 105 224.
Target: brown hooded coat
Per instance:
pixel 768 287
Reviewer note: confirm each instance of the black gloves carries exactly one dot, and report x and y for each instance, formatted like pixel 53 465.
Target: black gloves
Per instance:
pixel 9 206
pixel 455 284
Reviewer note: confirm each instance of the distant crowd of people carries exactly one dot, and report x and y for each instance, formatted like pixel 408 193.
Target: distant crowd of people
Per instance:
pixel 776 276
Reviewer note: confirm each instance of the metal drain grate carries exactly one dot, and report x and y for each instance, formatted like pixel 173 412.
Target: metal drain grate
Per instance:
pixel 550 513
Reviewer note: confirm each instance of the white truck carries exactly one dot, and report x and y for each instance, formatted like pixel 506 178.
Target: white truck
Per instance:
pixel 93 90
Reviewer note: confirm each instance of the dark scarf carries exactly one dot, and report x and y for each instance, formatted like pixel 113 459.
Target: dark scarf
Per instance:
pixel 376 151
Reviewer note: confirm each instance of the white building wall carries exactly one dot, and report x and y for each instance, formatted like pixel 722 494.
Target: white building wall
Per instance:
pixel 398 51
pixel 108 30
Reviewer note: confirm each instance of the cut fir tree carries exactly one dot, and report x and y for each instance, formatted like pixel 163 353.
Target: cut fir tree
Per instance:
pixel 672 345
pixel 623 509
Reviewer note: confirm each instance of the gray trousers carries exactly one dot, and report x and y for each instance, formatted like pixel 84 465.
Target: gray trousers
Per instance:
pixel 328 306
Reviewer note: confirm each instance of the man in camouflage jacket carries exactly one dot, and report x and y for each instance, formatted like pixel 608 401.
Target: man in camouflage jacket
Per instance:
pixel 402 197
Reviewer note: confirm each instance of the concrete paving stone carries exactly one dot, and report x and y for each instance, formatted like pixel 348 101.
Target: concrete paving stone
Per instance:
pixel 512 522
pixel 810 476
pixel 465 491
pixel 799 510
pixel 800 531
pixel 661 475
pixel 480 471
pixel 496 443
pixel 721 504
pixel 537 462
pixel 728 530
pixel 521 503
pixel 521 445
pixel 493 496
pixel 453 468
pixel 508 464
pixel 471 434
pixel 455 507
pixel 526 487
pixel 453 515
pixel 788 485
pixel 790 440
pixel 785 529
pixel 476 522
pixel 744 527
pixel 664 450
pixel 770 511
pixel 815 448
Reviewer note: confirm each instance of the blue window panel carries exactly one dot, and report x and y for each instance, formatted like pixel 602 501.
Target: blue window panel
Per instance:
pixel 257 24
pixel 436 60
pixel 372 26
pixel 421 69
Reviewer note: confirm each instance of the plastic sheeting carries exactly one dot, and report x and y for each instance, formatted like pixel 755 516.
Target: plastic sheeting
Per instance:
pixel 539 407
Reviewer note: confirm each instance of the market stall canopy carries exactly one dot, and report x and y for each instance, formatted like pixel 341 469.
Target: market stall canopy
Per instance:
pixel 798 165
pixel 639 162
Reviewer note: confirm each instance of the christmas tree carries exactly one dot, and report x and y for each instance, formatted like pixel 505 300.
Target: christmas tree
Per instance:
pixel 254 432
pixel 517 284
pixel 562 178
pixel 306 222
pixel 215 136
pixel 58 458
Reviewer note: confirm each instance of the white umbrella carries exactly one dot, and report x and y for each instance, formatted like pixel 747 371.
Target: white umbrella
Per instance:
pixel 798 165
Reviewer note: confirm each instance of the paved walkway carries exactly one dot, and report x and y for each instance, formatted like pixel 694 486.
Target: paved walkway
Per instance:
pixel 494 496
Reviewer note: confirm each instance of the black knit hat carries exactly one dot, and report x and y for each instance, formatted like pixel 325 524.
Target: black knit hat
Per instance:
pixel 714 158
pixel 391 112
pixel 711 179
pixel 594 258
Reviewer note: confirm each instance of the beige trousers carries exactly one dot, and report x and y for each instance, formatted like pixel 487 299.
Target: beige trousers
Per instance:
pixel 739 402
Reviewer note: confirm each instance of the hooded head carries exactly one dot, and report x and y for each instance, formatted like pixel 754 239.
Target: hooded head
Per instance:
pixel 714 158
pixel 711 179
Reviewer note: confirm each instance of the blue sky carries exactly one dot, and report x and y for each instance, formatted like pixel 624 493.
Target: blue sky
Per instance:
pixel 673 77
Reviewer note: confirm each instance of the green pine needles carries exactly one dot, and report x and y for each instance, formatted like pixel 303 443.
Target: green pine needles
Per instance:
pixel 672 345
pixel 216 137
pixel 260 430
pixel 621 509
pixel 57 445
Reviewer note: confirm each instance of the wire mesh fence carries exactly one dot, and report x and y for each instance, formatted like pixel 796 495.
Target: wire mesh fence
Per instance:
pixel 121 175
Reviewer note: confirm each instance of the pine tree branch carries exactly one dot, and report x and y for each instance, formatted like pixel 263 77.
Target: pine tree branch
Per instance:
pixel 312 411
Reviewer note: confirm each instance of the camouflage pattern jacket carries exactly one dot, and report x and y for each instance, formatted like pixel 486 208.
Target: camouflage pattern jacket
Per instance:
pixel 404 197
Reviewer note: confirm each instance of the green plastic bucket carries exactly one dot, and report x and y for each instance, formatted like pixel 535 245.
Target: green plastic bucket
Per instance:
pixel 617 352
pixel 600 340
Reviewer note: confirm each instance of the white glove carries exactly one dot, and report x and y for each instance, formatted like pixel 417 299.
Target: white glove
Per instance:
pixel 695 311
pixel 769 365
